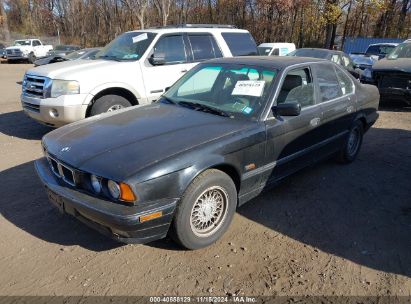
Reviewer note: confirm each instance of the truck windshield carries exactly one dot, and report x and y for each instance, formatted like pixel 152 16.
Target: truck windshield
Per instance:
pixel 127 47
pixel 21 42
pixel 401 51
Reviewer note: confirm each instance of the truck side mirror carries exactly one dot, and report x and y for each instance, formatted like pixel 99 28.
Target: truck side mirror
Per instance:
pixel 287 109
pixel 157 59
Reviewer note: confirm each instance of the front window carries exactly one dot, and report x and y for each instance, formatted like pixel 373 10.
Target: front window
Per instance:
pixel 21 42
pixel 401 51
pixel 127 47
pixel 235 91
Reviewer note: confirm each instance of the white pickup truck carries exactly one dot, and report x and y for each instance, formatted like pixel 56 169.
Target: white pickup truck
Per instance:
pixel 27 49
pixel 134 69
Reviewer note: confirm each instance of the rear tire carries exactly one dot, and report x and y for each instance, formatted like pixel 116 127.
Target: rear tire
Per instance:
pixel 352 144
pixel 205 210
pixel 108 103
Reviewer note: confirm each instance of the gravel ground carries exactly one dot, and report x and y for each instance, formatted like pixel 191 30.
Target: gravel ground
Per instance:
pixel 328 230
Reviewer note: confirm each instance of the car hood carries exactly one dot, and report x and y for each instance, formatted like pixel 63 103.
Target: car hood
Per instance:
pixel 76 69
pixel 120 144
pixel 21 47
pixel 399 65
pixel 364 60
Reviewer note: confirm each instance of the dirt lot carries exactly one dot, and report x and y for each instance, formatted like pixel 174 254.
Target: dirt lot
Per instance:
pixel 329 230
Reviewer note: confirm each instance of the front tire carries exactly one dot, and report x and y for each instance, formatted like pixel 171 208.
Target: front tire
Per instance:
pixel 205 211
pixel 32 58
pixel 352 144
pixel 109 103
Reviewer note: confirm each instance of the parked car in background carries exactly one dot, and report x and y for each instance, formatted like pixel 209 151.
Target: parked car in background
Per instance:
pixel 275 49
pixel 134 69
pixel 27 49
pixel 88 53
pixel 63 50
pixel 338 57
pixel 228 129
pixel 374 53
pixel 392 74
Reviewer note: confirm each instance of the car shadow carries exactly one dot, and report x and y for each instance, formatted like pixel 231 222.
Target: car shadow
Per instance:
pixel 25 204
pixel 18 124
pixel 394 106
pixel 360 212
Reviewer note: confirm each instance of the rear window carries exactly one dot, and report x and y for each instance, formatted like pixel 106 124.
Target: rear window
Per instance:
pixel 240 44
pixel 204 47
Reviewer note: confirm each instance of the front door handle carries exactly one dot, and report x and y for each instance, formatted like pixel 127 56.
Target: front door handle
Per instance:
pixel 183 71
pixel 315 121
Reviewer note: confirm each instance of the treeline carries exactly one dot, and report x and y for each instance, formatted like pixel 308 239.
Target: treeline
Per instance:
pixel 305 22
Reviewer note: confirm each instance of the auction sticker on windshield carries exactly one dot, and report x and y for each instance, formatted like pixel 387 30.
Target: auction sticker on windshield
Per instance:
pixel 249 88
pixel 140 37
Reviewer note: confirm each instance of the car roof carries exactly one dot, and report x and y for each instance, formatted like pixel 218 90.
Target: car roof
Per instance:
pixel 384 43
pixel 276 43
pixel 278 62
pixel 190 30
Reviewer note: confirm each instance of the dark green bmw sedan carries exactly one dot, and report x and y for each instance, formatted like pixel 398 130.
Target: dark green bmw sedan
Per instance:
pixel 227 130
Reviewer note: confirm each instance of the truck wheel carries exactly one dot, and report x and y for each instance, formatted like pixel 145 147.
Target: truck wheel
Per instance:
pixel 109 103
pixel 32 58
pixel 352 144
pixel 205 210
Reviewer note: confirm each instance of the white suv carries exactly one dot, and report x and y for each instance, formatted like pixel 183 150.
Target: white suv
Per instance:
pixel 133 69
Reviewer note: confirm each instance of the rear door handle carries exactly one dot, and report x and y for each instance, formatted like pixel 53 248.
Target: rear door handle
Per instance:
pixel 183 71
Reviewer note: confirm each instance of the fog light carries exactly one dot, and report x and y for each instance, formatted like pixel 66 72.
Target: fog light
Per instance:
pixel 54 113
pixel 95 183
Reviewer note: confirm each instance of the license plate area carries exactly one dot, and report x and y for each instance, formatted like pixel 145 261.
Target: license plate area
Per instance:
pixel 56 200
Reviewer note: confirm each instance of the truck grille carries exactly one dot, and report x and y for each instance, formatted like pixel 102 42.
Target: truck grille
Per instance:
pixel 62 171
pixel 35 86
pixel 394 81
pixel 14 52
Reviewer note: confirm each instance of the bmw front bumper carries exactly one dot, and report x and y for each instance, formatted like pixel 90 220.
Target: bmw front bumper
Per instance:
pixel 120 222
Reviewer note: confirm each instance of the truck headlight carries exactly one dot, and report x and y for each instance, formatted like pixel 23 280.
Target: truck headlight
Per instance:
pixel 367 73
pixel 64 87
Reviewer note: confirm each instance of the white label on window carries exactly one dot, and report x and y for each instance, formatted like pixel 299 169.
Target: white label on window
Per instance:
pixel 140 38
pixel 249 88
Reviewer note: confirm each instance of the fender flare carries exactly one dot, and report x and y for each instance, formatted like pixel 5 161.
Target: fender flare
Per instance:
pixel 110 85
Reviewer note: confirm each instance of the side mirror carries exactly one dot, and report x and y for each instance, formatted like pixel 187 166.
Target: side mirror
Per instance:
pixel 157 59
pixel 287 109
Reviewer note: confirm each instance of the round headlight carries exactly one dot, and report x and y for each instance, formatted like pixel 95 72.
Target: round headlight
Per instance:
pixel 95 183
pixel 114 189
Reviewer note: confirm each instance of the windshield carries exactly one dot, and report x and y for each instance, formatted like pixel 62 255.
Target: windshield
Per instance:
pixel 22 42
pixel 263 50
pixel 127 47
pixel 401 51
pixel 230 90
pixel 379 49
pixel 76 54
pixel 315 53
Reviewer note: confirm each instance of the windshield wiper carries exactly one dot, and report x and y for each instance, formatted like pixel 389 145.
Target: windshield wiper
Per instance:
pixel 202 107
